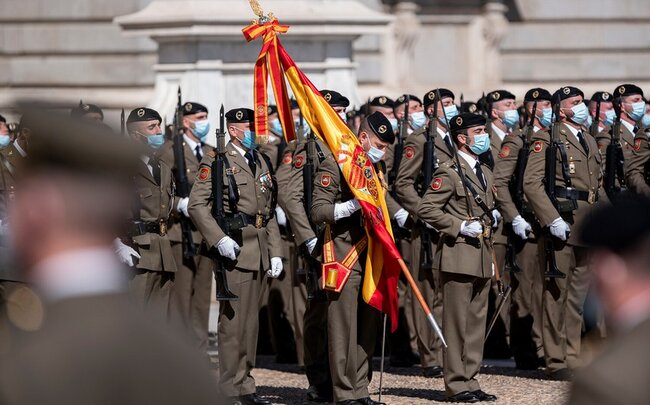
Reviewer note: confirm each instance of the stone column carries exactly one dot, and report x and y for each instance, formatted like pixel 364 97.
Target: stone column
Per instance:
pixel 407 32
pixel 486 32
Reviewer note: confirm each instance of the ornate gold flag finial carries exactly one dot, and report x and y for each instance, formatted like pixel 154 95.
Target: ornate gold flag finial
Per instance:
pixel 259 12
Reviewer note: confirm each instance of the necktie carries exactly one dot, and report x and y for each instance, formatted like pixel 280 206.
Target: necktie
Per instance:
pixel 450 148
pixel 583 142
pixel 197 152
pixel 479 174
pixel 251 161
pixel 155 170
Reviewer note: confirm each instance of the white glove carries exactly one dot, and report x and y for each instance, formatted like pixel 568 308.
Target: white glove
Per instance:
pixel 280 216
pixel 401 216
pixel 228 248
pixel 344 210
pixel 559 228
pixel 276 267
pixel 472 229
pixel 311 244
pixel 521 227
pixel 496 215
pixel 182 206
pixel 125 253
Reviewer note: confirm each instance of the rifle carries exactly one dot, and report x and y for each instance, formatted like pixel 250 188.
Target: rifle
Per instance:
pixel 428 167
pixel 614 159
pixel 486 157
pixel 311 265
pixel 122 123
pixel 218 211
pixel 182 182
pixel 593 130
pixel 552 270
pixel 399 146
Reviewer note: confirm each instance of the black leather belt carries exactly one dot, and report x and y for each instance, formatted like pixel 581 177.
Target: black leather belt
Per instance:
pixel 573 194
pixel 140 228
pixel 240 220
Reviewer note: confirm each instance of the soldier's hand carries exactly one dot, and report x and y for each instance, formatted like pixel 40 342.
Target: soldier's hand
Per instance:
pixel 472 229
pixel 182 206
pixel 280 216
pixel 521 227
pixel 125 253
pixel 276 267
pixel 401 217
pixel 228 248
pixel 345 209
pixel 311 244
pixel 560 229
pixel 496 215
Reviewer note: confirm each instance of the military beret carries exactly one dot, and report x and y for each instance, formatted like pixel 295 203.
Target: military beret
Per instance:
pixel 143 114
pixel 468 106
pixel 3 119
pixel 351 114
pixel 466 120
pixel 191 107
pixel 537 94
pixel 334 98
pixel 627 90
pixel 618 225
pixel 83 109
pixel 566 92
pixel 382 101
pixel 602 96
pixel 238 115
pixel 430 97
pixel 381 127
pixel 272 110
pixel 498 95
pixel 294 104
pixel 402 99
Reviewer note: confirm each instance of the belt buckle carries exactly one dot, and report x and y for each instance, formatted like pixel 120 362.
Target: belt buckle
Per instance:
pixel 591 198
pixel 162 228
pixel 259 221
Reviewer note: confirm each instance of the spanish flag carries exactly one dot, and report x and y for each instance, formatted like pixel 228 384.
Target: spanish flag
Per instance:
pixel 383 262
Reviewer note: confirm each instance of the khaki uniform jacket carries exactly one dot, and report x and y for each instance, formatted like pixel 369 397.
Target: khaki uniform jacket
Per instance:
pixel 191 167
pixel 500 234
pixel 10 161
pixel 504 168
pixel 635 165
pixel 444 206
pixel 585 176
pixel 272 149
pixel 156 204
pixel 408 185
pixel 255 195
pixel 292 198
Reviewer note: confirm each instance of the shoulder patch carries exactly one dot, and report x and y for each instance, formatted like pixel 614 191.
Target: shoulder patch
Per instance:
pixel 287 160
pixel 505 151
pixel 637 144
pixel 299 161
pixel 409 152
pixel 436 184
pixel 325 180
pixel 204 173
pixel 538 146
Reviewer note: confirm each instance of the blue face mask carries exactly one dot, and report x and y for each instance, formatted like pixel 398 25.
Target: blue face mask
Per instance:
pixel 417 119
pixel 276 126
pixel 4 141
pixel 546 118
pixel 450 112
pixel 201 129
pixel 393 123
pixel 510 118
pixel 589 121
pixel 610 117
pixel 249 140
pixel 645 121
pixel 580 113
pixel 481 144
pixel 156 141
pixel 638 109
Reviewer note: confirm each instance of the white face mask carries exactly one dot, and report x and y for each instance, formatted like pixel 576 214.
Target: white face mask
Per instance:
pixel 374 154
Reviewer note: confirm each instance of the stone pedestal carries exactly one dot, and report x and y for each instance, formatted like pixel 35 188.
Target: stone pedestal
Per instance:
pixel 202 49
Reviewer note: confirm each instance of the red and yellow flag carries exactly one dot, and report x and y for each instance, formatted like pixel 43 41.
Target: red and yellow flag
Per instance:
pixel 383 261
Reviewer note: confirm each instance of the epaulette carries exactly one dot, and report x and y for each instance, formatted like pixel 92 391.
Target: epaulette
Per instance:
pixel 212 153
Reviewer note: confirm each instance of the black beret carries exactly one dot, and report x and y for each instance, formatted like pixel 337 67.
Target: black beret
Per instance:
pixel 272 110
pixel 627 90
pixel 537 94
pixel 498 95
pixel 143 114
pixel 602 96
pixel 468 106
pixel 381 127
pixel 334 98
pixel 466 120
pixel 402 99
pixel 430 97
pixel 567 92
pixel 2 119
pixel 351 114
pixel 191 107
pixel 294 104
pixel 83 109
pixel 238 115
pixel 619 225
pixel 382 101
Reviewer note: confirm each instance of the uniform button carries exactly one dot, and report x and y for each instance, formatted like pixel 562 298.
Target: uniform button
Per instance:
pixel 590 173
pixel 162 205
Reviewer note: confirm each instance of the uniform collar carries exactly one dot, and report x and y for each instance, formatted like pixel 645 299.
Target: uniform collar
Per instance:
pixel 241 151
pixel 468 158
pixel 441 132
pixel 629 126
pixel 501 134
pixel 190 142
